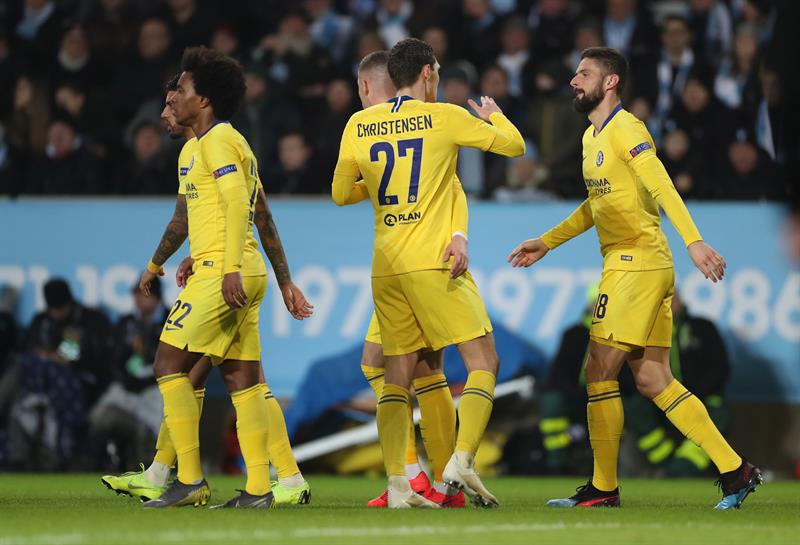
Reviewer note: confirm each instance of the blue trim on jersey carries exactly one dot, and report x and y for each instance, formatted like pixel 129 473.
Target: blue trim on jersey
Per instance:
pixel 214 124
pixel 398 101
pixel 610 116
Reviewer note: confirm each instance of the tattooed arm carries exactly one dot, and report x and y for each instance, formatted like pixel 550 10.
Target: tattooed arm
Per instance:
pixel 176 232
pixel 271 242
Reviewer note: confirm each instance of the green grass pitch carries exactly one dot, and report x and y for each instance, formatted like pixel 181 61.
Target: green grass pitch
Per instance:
pixel 77 509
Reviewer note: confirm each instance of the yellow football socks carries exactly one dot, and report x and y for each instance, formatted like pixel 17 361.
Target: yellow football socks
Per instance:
pixel 690 416
pixel 393 415
pixel 605 417
pixel 252 428
pixel 374 376
pixel 165 450
pixel 182 417
pixel 438 421
pixel 477 400
pixel 280 450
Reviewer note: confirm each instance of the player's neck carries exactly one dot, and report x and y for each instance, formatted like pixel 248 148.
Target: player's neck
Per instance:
pixel 203 124
pixel 416 91
pixel 599 115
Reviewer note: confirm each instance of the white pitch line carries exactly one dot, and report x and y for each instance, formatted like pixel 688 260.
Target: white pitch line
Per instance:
pixel 217 536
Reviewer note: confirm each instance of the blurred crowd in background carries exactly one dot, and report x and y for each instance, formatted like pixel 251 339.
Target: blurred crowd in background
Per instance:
pixel 81 87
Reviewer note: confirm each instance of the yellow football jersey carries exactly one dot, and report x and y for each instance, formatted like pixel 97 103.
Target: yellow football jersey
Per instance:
pixel 219 160
pixel 406 152
pixel 626 183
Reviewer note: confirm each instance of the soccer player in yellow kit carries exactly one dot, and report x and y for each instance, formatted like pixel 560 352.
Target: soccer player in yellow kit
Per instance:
pixel 217 313
pixel 406 150
pixel 438 414
pixel 150 483
pixel 632 319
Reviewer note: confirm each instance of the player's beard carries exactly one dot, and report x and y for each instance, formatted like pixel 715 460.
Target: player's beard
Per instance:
pixel 588 101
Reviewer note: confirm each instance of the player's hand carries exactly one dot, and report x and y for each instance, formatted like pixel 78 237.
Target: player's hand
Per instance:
pixel 708 260
pixel 296 302
pixel 233 290
pixel 528 253
pixel 488 107
pixel 146 278
pixel 184 271
pixel 457 249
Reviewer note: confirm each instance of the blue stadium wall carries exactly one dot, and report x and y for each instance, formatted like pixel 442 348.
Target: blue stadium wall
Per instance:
pixel 100 245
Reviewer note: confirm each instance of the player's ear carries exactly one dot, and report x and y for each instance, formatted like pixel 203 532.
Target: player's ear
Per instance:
pixel 427 72
pixel 612 81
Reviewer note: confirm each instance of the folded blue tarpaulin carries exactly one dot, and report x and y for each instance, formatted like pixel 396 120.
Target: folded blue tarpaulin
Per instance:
pixel 338 378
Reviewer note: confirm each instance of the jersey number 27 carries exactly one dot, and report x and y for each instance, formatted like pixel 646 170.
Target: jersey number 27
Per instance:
pixel 403 146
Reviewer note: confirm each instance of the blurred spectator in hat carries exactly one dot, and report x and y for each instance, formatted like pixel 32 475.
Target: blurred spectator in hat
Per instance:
pixel 264 115
pixel 711 24
pixel 151 167
pixel 296 170
pixel 129 412
pixel 66 166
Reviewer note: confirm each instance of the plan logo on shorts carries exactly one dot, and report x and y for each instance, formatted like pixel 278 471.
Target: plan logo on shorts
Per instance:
pixel 599 158
pixel 626 257
pixel 644 146
pixel 222 171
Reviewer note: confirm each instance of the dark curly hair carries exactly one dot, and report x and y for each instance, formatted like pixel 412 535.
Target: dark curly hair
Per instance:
pixel 172 84
pixel 218 78
pixel 406 60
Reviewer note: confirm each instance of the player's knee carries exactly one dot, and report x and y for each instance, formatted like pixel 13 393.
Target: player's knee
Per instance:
pixel 649 386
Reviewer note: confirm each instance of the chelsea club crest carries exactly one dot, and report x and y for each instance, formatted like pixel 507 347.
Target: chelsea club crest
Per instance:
pixel 599 158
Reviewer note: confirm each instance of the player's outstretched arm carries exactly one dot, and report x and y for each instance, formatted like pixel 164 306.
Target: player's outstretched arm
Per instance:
pixel 507 139
pixel 176 232
pixel 293 297
pixel 534 249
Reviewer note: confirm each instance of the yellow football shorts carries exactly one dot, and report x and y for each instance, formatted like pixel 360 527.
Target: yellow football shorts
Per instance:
pixel 427 310
pixel 201 321
pixel 374 330
pixel 633 309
